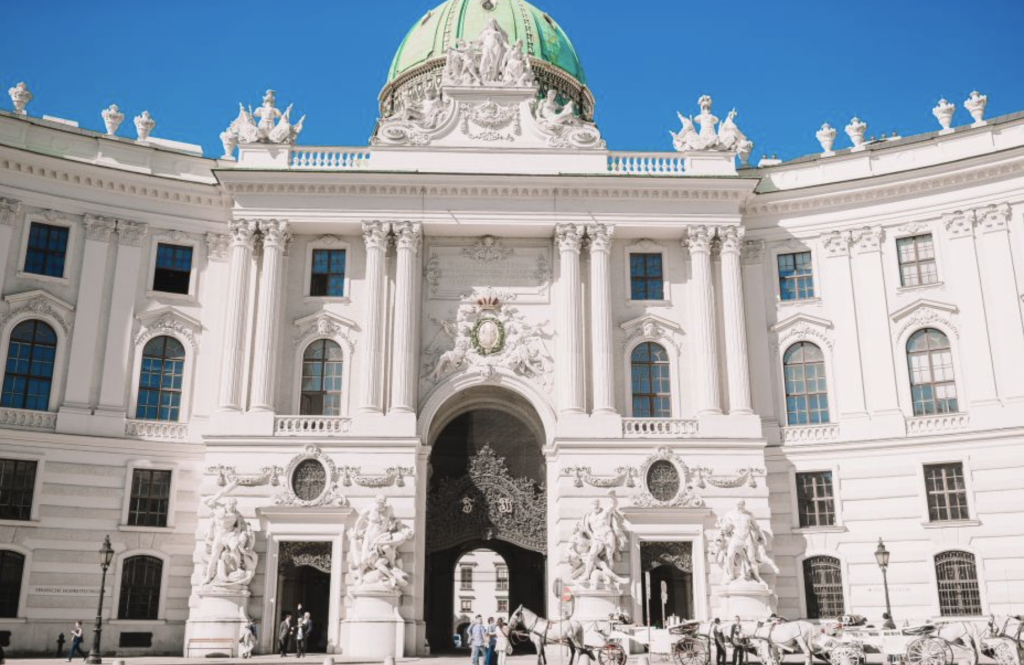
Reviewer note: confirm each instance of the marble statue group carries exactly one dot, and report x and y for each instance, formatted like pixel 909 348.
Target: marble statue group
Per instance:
pixel 373 552
pixel 230 546
pixel 741 546
pixel 597 543
pixel 489 60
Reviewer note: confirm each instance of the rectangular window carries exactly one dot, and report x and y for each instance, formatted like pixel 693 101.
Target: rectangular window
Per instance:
pixel 815 499
pixel 646 280
pixel 503 605
pixel 947 492
pixel 467 577
pixel 47 249
pixel 328 274
pixel 151 495
pixel 17 485
pixel 173 269
pixel 917 260
pixel 796 276
pixel 466 605
pixel 502 579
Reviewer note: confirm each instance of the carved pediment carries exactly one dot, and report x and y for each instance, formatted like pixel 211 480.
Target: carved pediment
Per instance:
pixel 653 328
pixel 40 303
pixel 325 324
pixel 802 327
pixel 168 320
pixel 922 313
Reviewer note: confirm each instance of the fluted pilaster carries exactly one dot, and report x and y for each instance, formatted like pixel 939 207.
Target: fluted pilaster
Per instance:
pixel 737 364
pixel 698 241
pixel 371 378
pixel 603 370
pixel 403 369
pixel 243 236
pixel 275 239
pixel 570 339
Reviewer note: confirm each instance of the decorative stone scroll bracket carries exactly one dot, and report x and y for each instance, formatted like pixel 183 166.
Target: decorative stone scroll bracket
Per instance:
pixel 395 475
pixel 268 475
pixel 625 476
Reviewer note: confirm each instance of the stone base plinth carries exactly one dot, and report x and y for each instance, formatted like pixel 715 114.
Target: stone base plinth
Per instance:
pixel 214 626
pixel 748 600
pixel 593 606
pixel 374 630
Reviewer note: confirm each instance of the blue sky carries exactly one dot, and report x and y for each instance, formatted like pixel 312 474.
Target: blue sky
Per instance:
pixel 786 65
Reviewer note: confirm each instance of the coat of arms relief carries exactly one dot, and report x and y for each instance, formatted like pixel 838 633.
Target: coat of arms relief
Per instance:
pixel 485 334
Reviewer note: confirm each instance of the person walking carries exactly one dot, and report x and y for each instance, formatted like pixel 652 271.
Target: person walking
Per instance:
pixel 76 643
pixel 308 630
pixel 502 644
pixel 284 634
pixel 300 637
pixel 739 643
pixel 720 657
pixel 491 640
pixel 477 640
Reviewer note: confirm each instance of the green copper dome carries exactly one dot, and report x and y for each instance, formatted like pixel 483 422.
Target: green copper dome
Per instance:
pixel 464 19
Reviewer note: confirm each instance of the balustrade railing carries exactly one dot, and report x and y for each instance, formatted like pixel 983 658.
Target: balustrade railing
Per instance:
pixel 810 433
pixel 310 425
pixel 643 428
pixel 314 158
pixel 27 418
pixel 939 424
pixel 156 429
pixel 645 163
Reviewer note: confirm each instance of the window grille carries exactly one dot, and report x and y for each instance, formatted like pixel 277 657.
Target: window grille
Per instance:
pixel 12 569
pixel 957 576
pixel 947 492
pixel 140 588
pixel 28 377
pixel 17 486
pixel 150 498
pixel 815 499
pixel 652 394
pixel 932 384
pixel 823 587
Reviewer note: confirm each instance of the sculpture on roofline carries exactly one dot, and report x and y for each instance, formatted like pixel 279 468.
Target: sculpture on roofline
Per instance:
pixel 489 60
pixel 274 127
pixel 374 542
pixel 728 138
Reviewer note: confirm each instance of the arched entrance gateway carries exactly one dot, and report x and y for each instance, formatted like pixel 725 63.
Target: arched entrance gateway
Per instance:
pixel 485 492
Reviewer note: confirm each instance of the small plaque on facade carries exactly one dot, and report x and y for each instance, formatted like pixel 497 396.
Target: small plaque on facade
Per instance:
pixel 454 267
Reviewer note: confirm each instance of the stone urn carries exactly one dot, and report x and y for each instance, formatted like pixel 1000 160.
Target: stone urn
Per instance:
pixel 826 137
pixel 20 97
pixel 144 124
pixel 112 118
pixel 855 130
pixel 975 105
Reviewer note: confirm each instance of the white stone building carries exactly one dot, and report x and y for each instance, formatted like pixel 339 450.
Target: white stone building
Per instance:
pixel 492 319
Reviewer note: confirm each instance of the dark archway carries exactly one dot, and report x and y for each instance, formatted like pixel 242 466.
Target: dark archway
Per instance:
pixel 486 491
pixel 668 574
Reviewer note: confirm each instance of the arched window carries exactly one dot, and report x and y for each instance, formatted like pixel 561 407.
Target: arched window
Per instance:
pixel 957 576
pixel 12 567
pixel 823 587
pixel 930 360
pixel 163 364
pixel 806 389
pixel 29 373
pixel 140 588
pixel 652 394
pixel 321 379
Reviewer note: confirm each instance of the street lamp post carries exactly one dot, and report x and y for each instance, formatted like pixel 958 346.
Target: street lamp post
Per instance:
pixel 882 557
pixel 106 556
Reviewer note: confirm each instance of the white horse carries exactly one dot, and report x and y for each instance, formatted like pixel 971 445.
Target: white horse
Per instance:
pixel 541 631
pixel 772 638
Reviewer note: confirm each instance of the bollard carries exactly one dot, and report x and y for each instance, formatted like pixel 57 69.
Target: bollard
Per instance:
pixel 329 660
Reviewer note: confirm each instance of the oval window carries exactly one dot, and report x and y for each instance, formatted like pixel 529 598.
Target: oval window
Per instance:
pixel 663 480
pixel 309 480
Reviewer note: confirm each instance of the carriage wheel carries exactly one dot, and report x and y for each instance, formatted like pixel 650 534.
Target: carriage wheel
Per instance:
pixel 611 654
pixel 1007 652
pixel 846 654
pixel 690 651
pixel 929 651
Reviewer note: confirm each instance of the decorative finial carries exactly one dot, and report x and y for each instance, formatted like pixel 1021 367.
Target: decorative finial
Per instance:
pixel 144 124
pixel 112 118
pixel 826 137
pixel 975 105
pixel 855 130
pixel 20 97
pixel 943 112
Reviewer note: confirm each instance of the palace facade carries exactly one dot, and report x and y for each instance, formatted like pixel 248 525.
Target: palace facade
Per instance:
pixel 491 320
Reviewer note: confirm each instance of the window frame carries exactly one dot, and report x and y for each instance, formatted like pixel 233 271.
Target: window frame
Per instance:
pixel 832 499
pixel 25 574
pixel 837 500
pixel 917 262
pixel 785 390
pixel 802 327
pixel 308 327
pixel 70 252
pixel 647 246
pixel 979 573
pixel 905 341
pixel 148 465
pixel 59 307
pixel 802 582
pixel 328 242
pixel 118 578
pixel 32 345
pixel 184 409
pixel 646 278
pixel 466 578
pixel 302 373
pixel 173 237
pixel 137 377
pixel 922 493
pixel 673 407
pixel 815 273
pixel 892 268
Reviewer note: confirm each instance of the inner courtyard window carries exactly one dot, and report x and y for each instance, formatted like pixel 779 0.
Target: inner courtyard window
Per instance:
pixel 796 276
pixel 932 385
pixel 652 394
pixel 806 387
pixel 47 249
pixel 947 492
pixel 140 588
pixel 823 587
pixel 815 499
pixel 150 498
pixel 173 271
pixel 646 279
pixel 28 376
pixel 17 487
pixel 917 260
pixel 957 576
pixel 466 577
pixel 328 274
pixel 160 379
pixel 321 379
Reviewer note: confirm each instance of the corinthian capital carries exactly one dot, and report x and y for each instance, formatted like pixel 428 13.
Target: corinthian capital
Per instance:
pixel 375 235
pixel 243 232
pixel 994 217
pixel 9 210
pixel 869 239
pixel 837 243
pixel 131 233
pixel 408 235
pixel 960 224
pixel 98 228
pixel 569 237
pixel 275 233
pixel 698 239
pixel 600 236
pixel 216 246
pixel 730 239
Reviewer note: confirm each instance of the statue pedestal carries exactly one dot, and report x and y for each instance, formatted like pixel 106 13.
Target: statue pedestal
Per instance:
pixel 374 629
pixel 593 607
pixel 748 600
pixel 214 626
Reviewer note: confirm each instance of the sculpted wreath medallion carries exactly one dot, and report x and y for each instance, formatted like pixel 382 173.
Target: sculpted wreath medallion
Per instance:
pixel 488 336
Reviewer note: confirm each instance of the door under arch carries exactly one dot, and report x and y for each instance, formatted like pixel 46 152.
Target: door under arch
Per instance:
pixel 486 491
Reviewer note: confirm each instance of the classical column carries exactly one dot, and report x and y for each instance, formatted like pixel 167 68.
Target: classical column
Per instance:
pixel 114 386
pixel 757 298
pixel 570 338
pixel 213 285
pixel 849 378
pixel 268 308
pixel 243 233
pixel 976 347
pixel 10 210
pixel 705 359
pixel 371 376
pixel 736 361
pixel 873 313
pixel 403 368
pixel 85 341
pixel 603 369
pixel 1002 304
